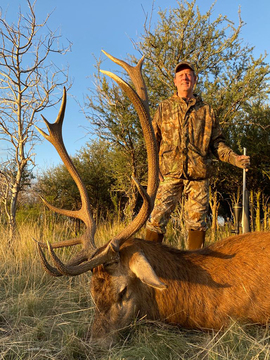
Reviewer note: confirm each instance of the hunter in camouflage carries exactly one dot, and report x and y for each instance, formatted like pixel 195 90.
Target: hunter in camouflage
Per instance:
pixel 187 134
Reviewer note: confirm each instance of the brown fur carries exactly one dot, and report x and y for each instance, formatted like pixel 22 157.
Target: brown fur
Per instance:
pixel 205 288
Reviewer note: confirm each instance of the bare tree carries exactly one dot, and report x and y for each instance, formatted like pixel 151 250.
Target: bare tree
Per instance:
pixel 28 78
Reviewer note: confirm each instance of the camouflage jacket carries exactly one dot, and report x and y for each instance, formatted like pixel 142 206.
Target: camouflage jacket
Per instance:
pixel 187 135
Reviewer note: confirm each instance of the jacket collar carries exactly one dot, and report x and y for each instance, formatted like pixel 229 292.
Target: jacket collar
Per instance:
pixel 192 101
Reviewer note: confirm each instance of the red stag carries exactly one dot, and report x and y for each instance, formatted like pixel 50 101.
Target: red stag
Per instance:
pixel 132 277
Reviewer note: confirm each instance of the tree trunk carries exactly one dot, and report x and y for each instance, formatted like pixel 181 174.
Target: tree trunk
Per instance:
pixel 131 204
pixel 12 213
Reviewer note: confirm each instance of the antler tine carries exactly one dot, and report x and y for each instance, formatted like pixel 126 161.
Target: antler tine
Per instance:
pixel 84 214
pixel 102 255
pixel 48 268
pixel 135 74
pixel 69 242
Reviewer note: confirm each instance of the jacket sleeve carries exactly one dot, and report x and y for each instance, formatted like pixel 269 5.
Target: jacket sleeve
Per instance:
pixel 218 145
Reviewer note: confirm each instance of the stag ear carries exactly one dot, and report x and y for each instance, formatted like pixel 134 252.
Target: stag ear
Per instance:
pixel 140 266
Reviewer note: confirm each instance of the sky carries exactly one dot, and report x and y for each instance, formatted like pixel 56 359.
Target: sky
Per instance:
pixel 92 25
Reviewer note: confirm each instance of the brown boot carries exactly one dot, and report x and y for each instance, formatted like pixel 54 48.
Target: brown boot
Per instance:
pixel 196 239
pixel 153 236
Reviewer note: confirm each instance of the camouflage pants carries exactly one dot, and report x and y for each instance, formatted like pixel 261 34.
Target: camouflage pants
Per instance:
pixel 170 191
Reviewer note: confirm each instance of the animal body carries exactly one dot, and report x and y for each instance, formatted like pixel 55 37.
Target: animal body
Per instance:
pixel 205 289
pixel 134 278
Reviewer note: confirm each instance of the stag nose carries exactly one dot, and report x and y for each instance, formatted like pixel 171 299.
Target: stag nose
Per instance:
pixel 105 342
pixel 101 333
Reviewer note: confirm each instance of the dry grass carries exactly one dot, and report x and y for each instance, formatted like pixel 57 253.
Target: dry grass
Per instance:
pixel 49 318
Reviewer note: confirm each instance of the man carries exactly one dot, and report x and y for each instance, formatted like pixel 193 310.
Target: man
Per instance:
pixel 187 135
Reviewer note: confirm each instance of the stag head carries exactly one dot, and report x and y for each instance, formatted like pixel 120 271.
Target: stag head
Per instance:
pixel 107 264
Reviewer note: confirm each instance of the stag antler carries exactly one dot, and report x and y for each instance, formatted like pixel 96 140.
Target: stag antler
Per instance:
pixel 89 258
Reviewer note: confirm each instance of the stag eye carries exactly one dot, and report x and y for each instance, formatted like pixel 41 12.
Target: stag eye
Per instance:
pixel 111 266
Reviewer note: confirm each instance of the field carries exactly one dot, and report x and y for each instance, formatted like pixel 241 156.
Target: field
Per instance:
pixel 49 318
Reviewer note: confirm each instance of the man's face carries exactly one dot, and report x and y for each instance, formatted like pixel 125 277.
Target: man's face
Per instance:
pixel 185 80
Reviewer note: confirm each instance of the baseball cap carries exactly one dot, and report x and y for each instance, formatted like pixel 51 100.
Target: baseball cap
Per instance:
pixel 183 64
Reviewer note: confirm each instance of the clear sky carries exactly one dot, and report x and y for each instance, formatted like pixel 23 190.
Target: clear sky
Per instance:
pixel 92 25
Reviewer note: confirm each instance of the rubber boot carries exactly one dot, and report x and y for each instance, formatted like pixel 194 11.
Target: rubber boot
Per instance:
pixel 196 239
pixel 153 236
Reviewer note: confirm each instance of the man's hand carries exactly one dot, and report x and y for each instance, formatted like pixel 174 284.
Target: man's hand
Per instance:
pixel 242 161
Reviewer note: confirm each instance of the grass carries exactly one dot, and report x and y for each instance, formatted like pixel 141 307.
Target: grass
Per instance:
pixel 49 318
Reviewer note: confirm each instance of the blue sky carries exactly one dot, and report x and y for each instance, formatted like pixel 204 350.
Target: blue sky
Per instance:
pixel 92 25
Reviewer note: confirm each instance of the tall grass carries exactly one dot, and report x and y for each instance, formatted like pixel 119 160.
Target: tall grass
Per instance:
pixel 49 318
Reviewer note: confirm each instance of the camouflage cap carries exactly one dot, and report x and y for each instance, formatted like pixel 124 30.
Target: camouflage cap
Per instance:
pixel 183 64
